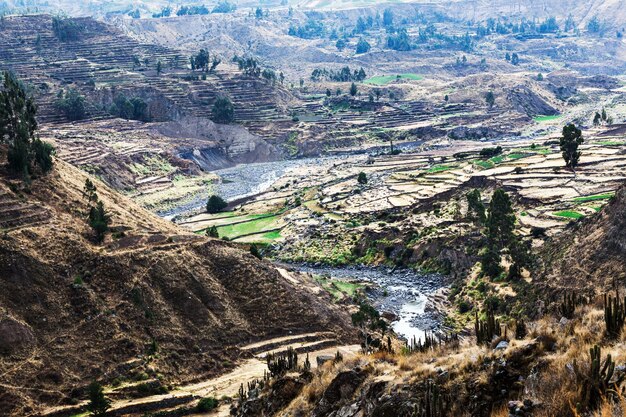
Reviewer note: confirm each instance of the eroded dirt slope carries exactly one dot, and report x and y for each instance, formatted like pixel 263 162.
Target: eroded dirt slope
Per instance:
pixel 72 311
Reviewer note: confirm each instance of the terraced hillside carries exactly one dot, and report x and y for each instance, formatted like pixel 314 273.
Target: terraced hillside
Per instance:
pixel 152 303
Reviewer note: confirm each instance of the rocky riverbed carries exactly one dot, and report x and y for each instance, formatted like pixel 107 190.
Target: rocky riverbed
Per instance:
pixel 404 293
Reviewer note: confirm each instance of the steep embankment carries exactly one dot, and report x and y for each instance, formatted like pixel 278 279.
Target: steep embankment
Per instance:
pixel 592 253
pixel 72 312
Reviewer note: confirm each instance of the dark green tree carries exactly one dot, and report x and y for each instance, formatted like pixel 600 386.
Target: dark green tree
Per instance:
pixel 98 402
pixel 490 261
pixel 387 17
pixel 571 139
pixel 501 220
pixel 215 204
pixel 362 46
pixel 353 90
pixel 490 99
pixel 367 318
pixel 475 207
pixel 223 111
pixel 72 104
pixel 18 127
pixel 254 250
pixel 212 232
pixel 362 178
pixel 99 221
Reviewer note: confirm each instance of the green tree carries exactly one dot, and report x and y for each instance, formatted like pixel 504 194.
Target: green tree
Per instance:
pixel 367 318
pixel 254 250
pixel 72 104
pixel 490 261
pixel 500 222
pixel 475 207
pixel 490 99
pixel 212 232
pixel 99 221
pixel 223 111
pixel 387 17
pixel 362 178
pixel 515 59
pixel 362 46
pixel 353 90
pixel 18 128
pixel 571 139
pixel 215 204
pixel 98 402
pixel 159 67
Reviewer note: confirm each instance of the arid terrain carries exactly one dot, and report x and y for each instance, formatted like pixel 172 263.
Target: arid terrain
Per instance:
pixel 383 189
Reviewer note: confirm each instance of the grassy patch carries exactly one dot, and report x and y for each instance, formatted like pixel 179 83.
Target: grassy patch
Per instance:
pixel 611 143
pixel 598 197
pixel 339 289
pixel 484 164
pixel 569 214
pixel 516 156
pixel 386 79
pixel 258 225
pixel 546 118
pixel 440 168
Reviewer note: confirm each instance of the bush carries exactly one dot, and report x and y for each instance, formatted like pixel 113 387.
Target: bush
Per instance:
pixel 215 204
pixel 207 404
pixel 72 104
pixel 362 178
pixel 223 111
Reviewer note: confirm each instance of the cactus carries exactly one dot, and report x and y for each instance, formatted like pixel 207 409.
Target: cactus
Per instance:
pixel 614 315
pixel 432 403
pixel 338 357
pixel 307 364
pixel 280 363
pixel 598 382
pixel 520 329
pixel 488 329
pixel 568 306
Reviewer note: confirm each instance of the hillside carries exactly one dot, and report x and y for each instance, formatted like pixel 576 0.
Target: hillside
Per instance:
pixel 591 254
pixel 72 312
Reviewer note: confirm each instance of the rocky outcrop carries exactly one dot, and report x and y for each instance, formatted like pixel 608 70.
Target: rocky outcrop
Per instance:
pixel 15 335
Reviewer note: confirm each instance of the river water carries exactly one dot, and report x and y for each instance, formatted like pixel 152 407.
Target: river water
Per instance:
pixel 401 292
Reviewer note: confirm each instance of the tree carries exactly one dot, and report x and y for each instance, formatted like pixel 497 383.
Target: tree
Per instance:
pixel 341 44
pixel 254 251
pixel 515 59
pixel 89 192
pixel 215 204
pixel 98 403
pixel 490 261
pixel 540 77
pixel 387 17
pixel 72 104
pixel 475 207
pixel 223 111
pixel 159 67
pixel 597 119
pixel 490 99
pixel 18 128
pixel 212 232
pixel 367 318
pixel 353 90
pixel 99 220
pixel 362 46
pixel 362 178
pixel 258 13
pixel 571 139
pixel 500 222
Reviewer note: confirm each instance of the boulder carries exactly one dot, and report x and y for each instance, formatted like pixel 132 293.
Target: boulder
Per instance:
pixel 14 335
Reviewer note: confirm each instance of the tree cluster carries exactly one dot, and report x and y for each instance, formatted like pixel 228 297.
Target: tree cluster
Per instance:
pixel 18 128
pixel 66 29
pixel 134 108
pixel 343 75
pixel 192 10
pixel 97 218
pixel 309 30
pixel 202 61
pixel 72 104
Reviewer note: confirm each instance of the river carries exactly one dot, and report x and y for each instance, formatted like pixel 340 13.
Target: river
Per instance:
pixel 403 292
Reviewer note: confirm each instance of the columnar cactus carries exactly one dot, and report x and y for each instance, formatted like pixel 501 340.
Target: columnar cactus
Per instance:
pixel 614 315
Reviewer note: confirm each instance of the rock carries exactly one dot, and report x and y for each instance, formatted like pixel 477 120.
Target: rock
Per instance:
pixel 322 359
pixel 502 345
pixel 563 321
pixel 340 390
pixel 14 335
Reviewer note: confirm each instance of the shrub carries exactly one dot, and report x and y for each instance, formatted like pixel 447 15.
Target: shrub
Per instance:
pixel 223 111
pixel 215 204
pixel 206 404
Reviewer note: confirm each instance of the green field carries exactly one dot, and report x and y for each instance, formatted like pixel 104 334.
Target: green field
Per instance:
pixel 594 198
pixel 547 118
pixel 569 214
pixel 255 225
pixel 386 79
pixel 440 168
pixel 337 288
